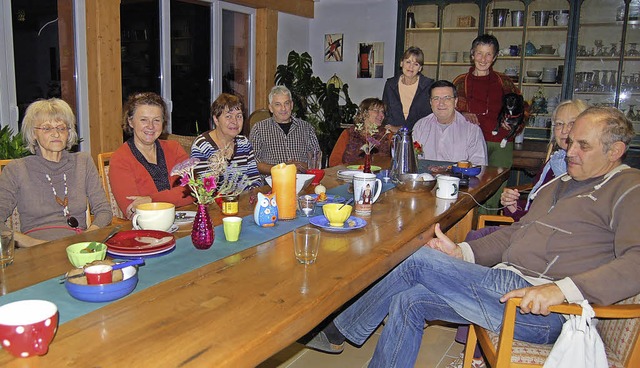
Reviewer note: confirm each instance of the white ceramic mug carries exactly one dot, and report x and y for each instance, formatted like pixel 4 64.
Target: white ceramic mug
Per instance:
pixel 447 187
pixel 364 187
pixel 154 216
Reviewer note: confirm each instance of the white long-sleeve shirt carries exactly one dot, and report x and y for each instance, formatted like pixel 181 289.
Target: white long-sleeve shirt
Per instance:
pixel 458 141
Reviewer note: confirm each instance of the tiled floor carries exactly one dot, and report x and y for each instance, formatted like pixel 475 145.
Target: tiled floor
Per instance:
pixel 438 349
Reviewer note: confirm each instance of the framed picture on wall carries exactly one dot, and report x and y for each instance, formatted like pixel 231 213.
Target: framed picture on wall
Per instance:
pixel 370 60
pixel 333 47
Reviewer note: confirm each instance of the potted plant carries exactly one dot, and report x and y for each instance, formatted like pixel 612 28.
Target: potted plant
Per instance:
pixel 323 105
pixel 11 145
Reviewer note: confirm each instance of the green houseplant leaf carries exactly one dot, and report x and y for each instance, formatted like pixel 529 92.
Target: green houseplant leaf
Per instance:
pixel 11 145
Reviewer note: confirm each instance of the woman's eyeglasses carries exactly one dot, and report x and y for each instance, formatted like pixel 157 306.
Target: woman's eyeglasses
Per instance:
pixel 559 125
pixel 48 129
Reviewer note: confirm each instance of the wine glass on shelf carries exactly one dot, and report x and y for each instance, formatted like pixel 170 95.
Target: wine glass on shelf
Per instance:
pixel 598 44
pixel 611 85
pixel 603 81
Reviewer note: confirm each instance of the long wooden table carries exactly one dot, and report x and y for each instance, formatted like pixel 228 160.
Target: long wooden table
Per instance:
pixel 240 310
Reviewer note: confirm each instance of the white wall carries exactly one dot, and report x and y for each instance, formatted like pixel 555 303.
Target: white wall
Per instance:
pixel 359 21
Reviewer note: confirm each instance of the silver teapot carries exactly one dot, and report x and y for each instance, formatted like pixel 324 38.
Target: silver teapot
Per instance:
pixel 403 157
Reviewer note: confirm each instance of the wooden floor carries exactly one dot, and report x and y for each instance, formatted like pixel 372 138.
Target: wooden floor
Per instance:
pixel 438 349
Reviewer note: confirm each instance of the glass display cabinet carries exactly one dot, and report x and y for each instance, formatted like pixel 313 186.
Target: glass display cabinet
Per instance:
pixel 559 49
pixel 607 60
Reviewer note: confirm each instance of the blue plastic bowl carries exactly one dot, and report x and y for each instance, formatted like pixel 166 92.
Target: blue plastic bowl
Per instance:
pixel 105 292
pixel 470 171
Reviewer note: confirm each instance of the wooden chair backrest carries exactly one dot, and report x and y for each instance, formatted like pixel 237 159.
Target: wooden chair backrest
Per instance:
pixel 103 171
pixel 185 140
pixel 257 116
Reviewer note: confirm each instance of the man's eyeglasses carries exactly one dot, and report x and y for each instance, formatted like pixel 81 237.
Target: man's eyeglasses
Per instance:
pixel 60 129
pixel 560 125
pixel 436 99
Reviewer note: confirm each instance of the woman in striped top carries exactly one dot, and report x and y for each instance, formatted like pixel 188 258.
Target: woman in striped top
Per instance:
pixel 226 112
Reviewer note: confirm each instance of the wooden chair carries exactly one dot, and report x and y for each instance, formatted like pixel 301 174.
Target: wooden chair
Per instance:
pixel 185 140
pixel 13 222
pixel 257 116
pixel 483 220
pixel 619 327
pixel 103 171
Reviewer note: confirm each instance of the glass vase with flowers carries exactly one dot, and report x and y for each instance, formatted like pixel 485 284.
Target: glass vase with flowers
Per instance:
pixel 208 181
pixel 370 130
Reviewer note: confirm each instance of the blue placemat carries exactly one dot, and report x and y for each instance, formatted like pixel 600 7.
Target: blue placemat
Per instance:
pixel 183 259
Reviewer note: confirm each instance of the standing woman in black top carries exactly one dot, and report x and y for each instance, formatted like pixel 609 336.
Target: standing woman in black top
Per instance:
pixel 407 94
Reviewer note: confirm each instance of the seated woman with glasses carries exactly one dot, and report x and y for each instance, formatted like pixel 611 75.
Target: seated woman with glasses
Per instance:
pixel 367 128
pixel 140 170
pixel 52 188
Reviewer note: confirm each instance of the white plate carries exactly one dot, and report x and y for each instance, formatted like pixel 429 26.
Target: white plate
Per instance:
pixel 188 218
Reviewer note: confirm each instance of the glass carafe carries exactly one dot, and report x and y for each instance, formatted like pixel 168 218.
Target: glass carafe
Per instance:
pixel 614 50
pixel 611 85
pixel 603 81
pixel 595 83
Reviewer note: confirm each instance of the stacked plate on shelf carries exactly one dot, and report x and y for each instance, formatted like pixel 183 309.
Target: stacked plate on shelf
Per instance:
pixel 141 243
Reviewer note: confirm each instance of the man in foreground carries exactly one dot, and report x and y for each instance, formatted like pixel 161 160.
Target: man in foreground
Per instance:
pixel 282 138
pixel 577 240
pixel 445 134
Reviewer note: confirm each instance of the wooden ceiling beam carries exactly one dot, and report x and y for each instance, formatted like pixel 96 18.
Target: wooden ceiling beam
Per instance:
pixel 303 8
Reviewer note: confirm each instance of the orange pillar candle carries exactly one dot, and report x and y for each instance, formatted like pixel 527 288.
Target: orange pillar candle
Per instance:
pixel 283 178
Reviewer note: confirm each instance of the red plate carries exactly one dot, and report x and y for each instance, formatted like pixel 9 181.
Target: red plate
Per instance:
pixel 137 241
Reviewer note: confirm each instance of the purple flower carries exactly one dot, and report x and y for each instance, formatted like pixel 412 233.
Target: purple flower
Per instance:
pixel 209 183
pixel 185 166
pixel 184 180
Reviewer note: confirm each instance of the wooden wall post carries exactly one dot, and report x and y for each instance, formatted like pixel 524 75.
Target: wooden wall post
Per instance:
pixel 104 75
pixel 266 54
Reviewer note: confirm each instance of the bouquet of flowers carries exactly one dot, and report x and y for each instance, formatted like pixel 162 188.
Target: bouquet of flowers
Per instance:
pixel 369 134
pixel 214 179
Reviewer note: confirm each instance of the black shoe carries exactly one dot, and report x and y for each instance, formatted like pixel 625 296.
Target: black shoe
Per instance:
pixel 321 342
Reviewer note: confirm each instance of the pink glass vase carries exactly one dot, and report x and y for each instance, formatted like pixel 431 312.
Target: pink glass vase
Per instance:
pixel 202 234
pixel 367 163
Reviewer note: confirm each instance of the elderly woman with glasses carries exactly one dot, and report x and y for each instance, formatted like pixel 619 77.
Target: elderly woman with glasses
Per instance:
pixel 140 170
pixel 367 124
pixel 52 188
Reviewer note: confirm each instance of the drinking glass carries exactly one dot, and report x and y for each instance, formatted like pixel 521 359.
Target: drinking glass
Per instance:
pixel 7 247
pixel 306 241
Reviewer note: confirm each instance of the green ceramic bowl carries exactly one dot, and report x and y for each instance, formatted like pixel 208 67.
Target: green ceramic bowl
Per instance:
pixel 80 259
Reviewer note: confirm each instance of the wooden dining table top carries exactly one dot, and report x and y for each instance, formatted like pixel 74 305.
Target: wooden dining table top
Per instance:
pixel 242 309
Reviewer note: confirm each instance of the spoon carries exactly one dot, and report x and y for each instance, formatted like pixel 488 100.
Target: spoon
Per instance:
pixel 346 203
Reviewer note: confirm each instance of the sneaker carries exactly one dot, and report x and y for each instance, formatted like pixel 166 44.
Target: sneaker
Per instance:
pixel 321 342
pixel 475 363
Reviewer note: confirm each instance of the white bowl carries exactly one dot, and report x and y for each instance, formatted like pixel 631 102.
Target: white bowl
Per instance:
pixel 302 181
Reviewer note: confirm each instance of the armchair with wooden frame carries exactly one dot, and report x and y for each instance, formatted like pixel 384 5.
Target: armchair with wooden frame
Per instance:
pixel 618 325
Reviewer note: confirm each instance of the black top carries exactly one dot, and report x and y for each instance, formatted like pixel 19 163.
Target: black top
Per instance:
pixel 420 106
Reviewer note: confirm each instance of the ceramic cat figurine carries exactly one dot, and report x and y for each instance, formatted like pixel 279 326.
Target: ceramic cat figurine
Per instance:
pixel 266 212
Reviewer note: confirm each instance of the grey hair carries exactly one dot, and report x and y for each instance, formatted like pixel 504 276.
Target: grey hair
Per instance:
pixel 52 110
pixel 278 90
pixel 617 127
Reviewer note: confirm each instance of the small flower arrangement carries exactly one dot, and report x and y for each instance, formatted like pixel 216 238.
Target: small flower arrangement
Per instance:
pixel 369 133
pixel 417 148
pixel 205 186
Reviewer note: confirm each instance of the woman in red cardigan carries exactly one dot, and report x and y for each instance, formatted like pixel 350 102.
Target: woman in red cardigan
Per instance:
pixel 139 171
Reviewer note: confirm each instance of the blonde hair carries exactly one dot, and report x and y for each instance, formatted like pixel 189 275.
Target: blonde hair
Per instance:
pixel 51 110
pixel 577 104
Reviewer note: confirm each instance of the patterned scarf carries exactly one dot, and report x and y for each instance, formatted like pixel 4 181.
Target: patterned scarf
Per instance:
pixel 158 172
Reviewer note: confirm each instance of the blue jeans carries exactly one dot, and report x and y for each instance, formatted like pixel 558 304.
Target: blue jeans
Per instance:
pixel 432 286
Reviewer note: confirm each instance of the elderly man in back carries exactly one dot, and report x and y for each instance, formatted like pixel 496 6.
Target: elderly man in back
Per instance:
pixel 577 240
pixel 282 137
pixel 446 135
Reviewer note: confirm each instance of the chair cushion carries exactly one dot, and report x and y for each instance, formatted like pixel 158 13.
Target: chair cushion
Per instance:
pixel 528 353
